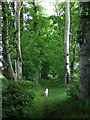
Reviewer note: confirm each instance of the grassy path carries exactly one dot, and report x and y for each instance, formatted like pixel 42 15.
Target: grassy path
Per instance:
pixel 56 105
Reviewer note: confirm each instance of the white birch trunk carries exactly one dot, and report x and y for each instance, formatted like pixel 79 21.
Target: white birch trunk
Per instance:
pixel 18 48
pixel 66 42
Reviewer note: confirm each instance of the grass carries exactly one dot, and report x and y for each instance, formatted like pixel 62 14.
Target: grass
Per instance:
pixel 57 104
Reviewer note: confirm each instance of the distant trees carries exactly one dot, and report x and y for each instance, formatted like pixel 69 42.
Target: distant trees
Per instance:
pixel 84 41
pixel 40 42
pixel 42 46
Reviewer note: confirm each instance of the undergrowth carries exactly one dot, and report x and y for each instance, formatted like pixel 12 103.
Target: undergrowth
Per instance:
pixel 23 100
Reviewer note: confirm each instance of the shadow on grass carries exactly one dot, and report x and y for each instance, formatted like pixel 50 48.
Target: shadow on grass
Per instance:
pixel 66 109
pixel 57 105
pixel 60 106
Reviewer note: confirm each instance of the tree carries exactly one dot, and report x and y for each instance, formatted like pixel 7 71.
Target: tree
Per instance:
pixel 0 35
pixel 8 68
pixel 84 41
pixel 11 40
pixel 18 47
pixel 74 46
pixel 0 61
pixel 66 43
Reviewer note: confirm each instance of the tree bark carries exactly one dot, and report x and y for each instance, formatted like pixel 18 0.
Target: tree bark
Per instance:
pixel 84 41
pixel 8 71
pixel 18 47
pixel 0 36
pixel 66 43
pixel 0 60
pixel 73 60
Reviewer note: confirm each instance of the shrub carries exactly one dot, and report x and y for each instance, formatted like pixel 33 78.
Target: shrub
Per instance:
pixel 17 98
pixel 72 90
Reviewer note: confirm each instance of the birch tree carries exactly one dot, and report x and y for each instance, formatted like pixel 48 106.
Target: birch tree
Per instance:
pixel 18 47
pixel 66 42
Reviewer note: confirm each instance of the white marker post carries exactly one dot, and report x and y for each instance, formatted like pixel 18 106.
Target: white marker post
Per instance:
pixel 46 92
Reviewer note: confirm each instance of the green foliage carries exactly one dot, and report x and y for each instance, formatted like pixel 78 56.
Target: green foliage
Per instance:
pixel 17 98
pixel 73 90
pixel 42 48
pixel 42 43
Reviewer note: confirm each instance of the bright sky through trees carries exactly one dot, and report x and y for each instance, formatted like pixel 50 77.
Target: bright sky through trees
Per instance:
pixel 48 5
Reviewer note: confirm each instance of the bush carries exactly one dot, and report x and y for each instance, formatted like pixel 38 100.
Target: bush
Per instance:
pixel 17 98
pixel 72 90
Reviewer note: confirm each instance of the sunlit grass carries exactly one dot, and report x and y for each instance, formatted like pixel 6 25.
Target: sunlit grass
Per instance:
pixel 57 104
pixel 56 94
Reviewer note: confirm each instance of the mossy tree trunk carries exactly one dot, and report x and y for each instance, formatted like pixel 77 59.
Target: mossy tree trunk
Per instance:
pixel 8 71
pixel 84 40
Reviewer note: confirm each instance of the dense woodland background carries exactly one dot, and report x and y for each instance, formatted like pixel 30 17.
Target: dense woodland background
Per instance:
pixel 37 53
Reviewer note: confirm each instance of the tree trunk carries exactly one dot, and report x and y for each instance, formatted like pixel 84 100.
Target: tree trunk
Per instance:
pixel 0 61
pixel 8 71
pixel 34 16
pixel 18 47
pixel 21 23
pixel 36 32
pixel 84 40
pixel 0 28
pixel 73 60
pixel 66 43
